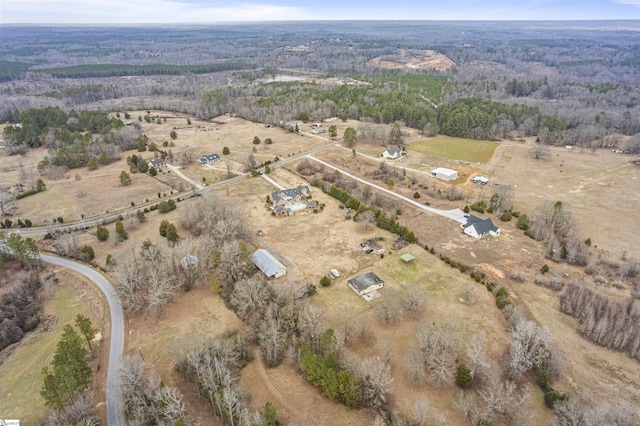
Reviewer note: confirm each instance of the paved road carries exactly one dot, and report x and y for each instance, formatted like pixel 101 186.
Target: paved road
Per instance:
pixel 115 410
pixel 455 214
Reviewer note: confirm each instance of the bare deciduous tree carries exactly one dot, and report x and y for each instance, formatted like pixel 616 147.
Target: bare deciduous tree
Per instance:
pixel 146 399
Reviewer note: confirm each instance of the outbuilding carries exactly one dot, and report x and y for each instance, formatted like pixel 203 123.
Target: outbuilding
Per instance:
pixel 444 174
pixel 366 285
pixel 268 264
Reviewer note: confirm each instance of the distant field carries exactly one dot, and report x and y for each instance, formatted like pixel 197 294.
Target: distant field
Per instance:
pixel 20 378
pixel 456 148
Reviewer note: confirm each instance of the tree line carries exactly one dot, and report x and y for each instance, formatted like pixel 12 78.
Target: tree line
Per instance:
pixel 118 70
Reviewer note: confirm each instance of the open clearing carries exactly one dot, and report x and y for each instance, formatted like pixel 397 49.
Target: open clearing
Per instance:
pixel 603 189
pixel 455 148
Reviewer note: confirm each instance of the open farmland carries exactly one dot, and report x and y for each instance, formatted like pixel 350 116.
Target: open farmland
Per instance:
pixel 455 148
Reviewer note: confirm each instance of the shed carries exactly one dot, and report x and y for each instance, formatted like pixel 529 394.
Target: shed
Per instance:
pixel 269 265
pixel 444 174
pixel 407 257
pixel 483 180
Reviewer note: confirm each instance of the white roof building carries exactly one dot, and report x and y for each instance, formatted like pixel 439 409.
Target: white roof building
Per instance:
pixel 444 174
pixel 268 264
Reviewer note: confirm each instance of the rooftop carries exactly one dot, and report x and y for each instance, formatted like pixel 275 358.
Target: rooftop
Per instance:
pixel 268 264
pixel 364 281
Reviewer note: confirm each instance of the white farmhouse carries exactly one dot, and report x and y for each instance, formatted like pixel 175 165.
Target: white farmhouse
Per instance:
pixel 392 153
pixel 478 228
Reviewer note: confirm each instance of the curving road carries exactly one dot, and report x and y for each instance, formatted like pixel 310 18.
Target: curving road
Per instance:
pixel 115 410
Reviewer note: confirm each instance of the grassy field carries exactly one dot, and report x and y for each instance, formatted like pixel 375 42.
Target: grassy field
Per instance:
pixel 20 379
pixel 456 148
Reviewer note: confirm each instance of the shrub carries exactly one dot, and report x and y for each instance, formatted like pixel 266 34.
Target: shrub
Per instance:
pixel 256 140
pixel 120 231
pixel 102 233
pixel 173 134
pixel 502 298
pixel 464 379
pixel 466 209
pixel 523 222
pixel 506 217
pixel 587 242
pixel 544 269
pixel 479 206
pixel 550 398
pixel 166 206
pixel 543 381
pixel 225 150
pixel 86 253
pixel 163 228
pixel 416 194
pixel 325 281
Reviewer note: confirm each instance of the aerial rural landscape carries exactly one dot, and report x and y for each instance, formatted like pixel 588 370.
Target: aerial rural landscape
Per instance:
pixel 320 223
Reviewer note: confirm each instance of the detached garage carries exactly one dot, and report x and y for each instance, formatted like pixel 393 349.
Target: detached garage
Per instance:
pixel 444 174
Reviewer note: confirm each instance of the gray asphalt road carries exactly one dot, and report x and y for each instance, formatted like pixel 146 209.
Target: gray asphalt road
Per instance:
pixel 115 410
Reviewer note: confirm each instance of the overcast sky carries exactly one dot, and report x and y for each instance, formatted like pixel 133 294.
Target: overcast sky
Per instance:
pixel 204 11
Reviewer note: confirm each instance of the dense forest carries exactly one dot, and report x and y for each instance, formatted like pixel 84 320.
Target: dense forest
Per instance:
pixel 73 139
pixel 568 83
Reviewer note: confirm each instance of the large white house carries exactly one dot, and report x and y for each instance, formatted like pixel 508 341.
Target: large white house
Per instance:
pixel 392 153
pixel 444 174
pixel 478 228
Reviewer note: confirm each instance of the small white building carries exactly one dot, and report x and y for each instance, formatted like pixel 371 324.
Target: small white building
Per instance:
pixel 269 265
pixel 444 174
pixel 480 179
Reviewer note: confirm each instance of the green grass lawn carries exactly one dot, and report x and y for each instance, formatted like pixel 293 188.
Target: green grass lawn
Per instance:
pixel 20 379
pixel 456 148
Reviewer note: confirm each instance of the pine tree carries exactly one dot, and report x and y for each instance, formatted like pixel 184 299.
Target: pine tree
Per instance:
pixel 70 372
pixel 86 328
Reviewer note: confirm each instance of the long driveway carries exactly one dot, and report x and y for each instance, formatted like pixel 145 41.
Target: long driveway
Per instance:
pixel 115 410
pixel 455 214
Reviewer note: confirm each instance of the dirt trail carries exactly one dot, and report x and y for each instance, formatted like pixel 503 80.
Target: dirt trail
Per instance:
pixel 293 408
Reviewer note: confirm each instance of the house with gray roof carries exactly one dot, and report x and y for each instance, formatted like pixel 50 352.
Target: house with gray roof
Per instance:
pixel 365 285
pixel 208 159
pixel 392 153
pixel 291 195
pixel 269 265
pixel 157 164
pixel 478 228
